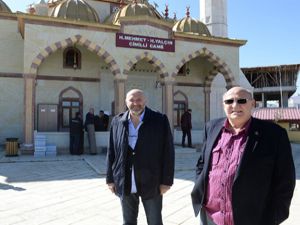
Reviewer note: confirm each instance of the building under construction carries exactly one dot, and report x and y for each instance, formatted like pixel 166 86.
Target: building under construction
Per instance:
pixel 273 83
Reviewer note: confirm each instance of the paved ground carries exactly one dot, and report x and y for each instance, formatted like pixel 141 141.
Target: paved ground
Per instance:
pixel 71 190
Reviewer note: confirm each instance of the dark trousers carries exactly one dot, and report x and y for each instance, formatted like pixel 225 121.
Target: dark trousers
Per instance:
pixel 188 134
pixel 75 144
pixel 152 207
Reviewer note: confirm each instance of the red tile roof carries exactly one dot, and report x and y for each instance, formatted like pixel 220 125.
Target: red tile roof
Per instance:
pixel 286 114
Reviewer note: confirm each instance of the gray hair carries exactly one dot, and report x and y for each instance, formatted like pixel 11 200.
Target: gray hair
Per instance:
pixel 134 91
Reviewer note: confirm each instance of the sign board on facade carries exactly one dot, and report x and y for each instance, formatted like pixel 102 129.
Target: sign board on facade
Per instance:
pixel 145 42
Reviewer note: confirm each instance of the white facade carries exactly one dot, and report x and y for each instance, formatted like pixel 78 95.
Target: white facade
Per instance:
pixel 32 70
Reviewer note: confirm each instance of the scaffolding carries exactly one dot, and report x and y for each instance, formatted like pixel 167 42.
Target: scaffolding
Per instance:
pixel 273 82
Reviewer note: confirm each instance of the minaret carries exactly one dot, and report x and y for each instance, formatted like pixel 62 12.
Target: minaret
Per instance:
pixel 213 13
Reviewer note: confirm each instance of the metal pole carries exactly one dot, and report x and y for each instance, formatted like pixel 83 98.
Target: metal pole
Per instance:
pixel 281 98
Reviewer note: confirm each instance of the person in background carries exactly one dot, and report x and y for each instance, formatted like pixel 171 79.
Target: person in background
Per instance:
pixel 246 173
pixel 140 159
pixel 76 135
pixel 90 129
pixel 105 120
pixel 186 127
pixel 99 123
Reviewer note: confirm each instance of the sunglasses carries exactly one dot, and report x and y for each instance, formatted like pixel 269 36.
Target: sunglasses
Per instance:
pixel 240 101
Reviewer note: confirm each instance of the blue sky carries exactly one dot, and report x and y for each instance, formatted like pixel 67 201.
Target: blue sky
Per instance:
pixel 271 27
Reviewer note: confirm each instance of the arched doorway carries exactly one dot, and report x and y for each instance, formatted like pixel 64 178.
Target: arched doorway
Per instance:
pixel 146 72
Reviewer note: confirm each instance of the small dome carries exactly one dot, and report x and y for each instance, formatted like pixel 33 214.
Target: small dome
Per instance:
pixel 134 9
pixel 54 2
pixel 4 7
pixel 190 25
pixel 75 10
pixel 111 18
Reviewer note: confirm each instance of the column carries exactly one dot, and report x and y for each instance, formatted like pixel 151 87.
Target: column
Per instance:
pixel 285 99
pixel 263 100
pixel 168 99
pixel 29 105
pixel 120 93
pixel 207 103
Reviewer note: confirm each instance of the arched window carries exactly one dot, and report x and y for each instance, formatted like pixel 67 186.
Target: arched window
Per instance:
pixel 180 106
pixel 70 102
pixel 72 58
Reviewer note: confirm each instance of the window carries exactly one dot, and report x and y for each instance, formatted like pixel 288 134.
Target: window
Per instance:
pixel 294 126
pixel 69 108
pixel 180 105
pixel 179 109
pixel 72 58
pixel 70 102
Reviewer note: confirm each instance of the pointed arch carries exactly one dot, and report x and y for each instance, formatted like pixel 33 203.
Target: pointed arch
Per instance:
pixel 70 88
pixel 77 39
pixel 179 92
pixel 179 107
pixel 75 105
pixel 151 59
pixel 218 63
pixel 209 79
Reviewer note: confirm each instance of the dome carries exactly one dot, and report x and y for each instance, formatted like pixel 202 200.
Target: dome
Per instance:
pixel 75 10
pixel 53 2
pixel 134 9
pixel 110 19
pixel 4 7
pixel 190 25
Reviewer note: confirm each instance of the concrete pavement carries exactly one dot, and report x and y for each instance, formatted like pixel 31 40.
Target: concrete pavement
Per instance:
pixel 69 189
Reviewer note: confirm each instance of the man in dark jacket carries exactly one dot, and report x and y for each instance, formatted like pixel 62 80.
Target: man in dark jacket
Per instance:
pixel 140 159
pixel 246 173
pixel 101 121
pixel 76 135
pixel 186 126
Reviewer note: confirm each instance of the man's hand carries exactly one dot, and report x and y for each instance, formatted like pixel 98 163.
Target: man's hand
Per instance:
pixel 112 187
pixel 163 188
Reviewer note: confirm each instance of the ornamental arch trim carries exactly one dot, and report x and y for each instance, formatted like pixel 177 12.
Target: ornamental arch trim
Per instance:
pixel 151 59
pixel 180 93
pixel 70 88
pixel 80 40
pixel 219 64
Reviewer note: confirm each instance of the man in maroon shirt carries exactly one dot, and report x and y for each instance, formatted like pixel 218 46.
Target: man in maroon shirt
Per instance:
pixel 246 173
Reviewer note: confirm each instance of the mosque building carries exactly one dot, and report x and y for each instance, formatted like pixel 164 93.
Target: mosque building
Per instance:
pixel 65 56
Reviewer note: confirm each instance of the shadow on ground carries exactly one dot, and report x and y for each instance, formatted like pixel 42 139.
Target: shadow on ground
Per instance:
pixel 10 187
pixel 67 167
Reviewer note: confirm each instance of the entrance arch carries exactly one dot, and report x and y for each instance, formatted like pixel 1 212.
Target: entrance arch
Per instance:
pixel 218 67
pixel 217 62
pixel 151 59
pixel 29 87
pixel 77 39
